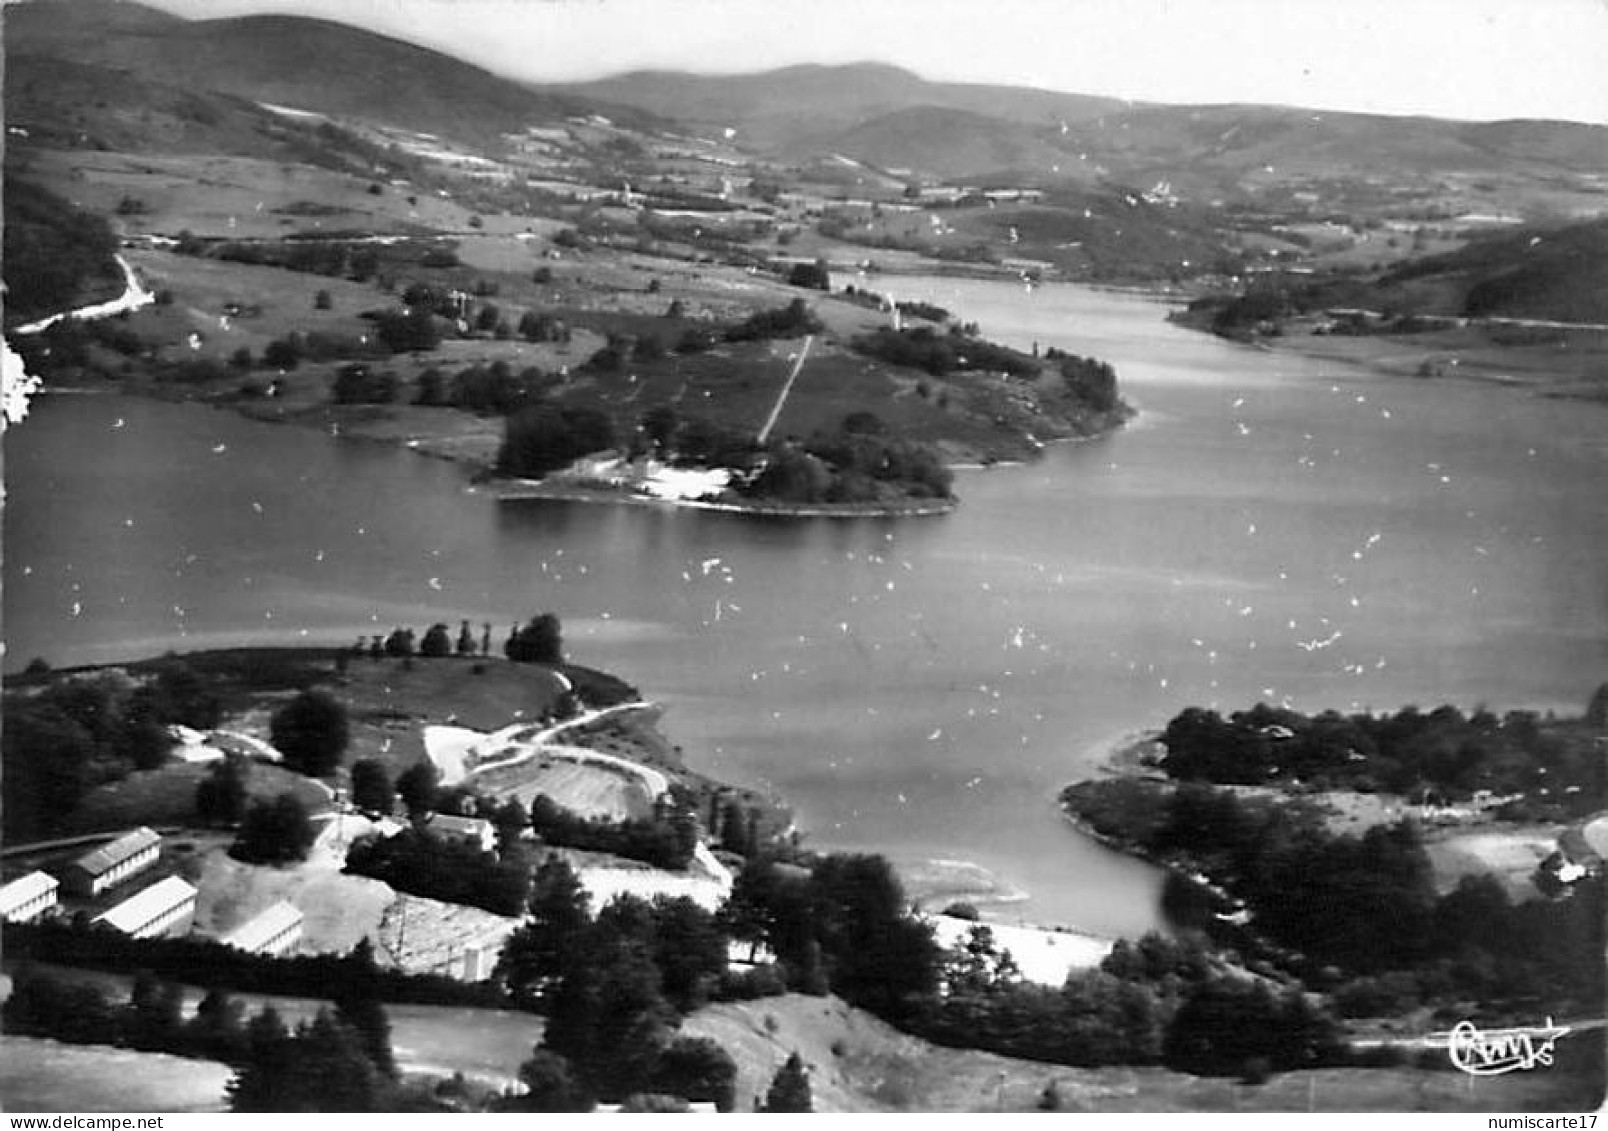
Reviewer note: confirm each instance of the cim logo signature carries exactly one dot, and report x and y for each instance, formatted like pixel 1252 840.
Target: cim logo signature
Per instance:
pixel 1499 1050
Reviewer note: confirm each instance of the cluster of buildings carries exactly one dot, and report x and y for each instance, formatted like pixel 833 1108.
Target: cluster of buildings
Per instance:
pixel 166 907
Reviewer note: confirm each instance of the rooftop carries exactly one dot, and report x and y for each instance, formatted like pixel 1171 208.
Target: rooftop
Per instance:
pixel 25 888
pixel 253 933
pixel 134 912
pixel 109 856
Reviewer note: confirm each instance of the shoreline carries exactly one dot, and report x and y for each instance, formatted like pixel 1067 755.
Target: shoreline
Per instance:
pixel 1400 357
pixel 513 490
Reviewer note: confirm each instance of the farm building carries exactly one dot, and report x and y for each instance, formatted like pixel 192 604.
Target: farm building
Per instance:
pixel 28 897
pixel 473 831
pixel 155 911
pixel 111 864
pixel 275 931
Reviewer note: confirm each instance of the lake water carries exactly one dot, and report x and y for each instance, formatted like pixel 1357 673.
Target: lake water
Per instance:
pixel 1269 528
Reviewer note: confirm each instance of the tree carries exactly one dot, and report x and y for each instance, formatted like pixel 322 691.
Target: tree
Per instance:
pixel 371 786
pixel 400 643
pixel 609 1018
pixel 282 353
pixel 560 913
pixel 697 1069
pixel 538 642
pixel 550 1085
pixel 357 1005
pixel 1597 709
pixel 321 1068
pixel 417 787
pixel 220 797
pixel 466 641
pixel 311 732
pixel 322 301
pixel 274 832
pixel 790 1089
pixel 812 275
pixel 154 1012
pixel 436 642
pixel 659 424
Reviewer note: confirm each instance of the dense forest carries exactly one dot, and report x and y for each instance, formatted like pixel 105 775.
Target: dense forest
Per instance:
pixel 1443 754
pixel 54 253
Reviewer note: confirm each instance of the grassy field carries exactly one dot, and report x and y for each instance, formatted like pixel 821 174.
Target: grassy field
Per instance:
pixel 41 1075
pixel 166 796
pixel 857 1063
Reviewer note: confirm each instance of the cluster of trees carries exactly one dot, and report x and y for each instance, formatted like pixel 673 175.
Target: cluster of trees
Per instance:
pixel 83 731
pixel 333 258
pixel 542 438
pixel 851 468
pixel 340 1061
pixel 274 830
pixel 1443 754
pixel 842 925
pixel 923 348
pixel 614 987
pixel 791 321
pixel 812 275
pixel 1158 1001
pixel 53 251
pixel 411 329
pixel 539 641
pixel 1361 913
pixel 915 308
pixel 437 642
pixel 311 732
pixel 207 962
pixel 421 863
pixel 696 441
pixel 665 840
pixel 1090 380
pixel 357 383
pixel 221 796
pixel 493 388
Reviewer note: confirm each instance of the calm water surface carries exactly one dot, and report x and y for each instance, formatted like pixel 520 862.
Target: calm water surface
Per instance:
pixel 1270 528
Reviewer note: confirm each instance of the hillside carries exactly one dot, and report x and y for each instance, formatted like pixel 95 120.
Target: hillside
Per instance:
pixel 308 64
pixel 890 117
pixel 784 108
pixel 948 143
pixel 1558 274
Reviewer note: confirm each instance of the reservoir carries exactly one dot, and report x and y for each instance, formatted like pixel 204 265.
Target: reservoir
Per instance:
pixel 1269 528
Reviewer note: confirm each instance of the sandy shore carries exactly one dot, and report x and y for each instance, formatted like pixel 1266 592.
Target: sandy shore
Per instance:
pixel 574 492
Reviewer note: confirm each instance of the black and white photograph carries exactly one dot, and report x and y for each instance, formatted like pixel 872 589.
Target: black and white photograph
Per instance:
pixel 804 556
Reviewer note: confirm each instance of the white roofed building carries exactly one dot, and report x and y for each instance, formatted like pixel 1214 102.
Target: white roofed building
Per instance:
pixel 28 897
pixel 166 907
pixel 477 832
pixel 275 931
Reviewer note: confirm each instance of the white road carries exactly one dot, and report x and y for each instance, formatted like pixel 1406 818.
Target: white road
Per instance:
pixel 133 297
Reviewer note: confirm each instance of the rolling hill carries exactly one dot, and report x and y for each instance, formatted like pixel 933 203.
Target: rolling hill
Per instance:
pixel 1557 274
pixel 886 116
pixel 308 64
pixel 807 105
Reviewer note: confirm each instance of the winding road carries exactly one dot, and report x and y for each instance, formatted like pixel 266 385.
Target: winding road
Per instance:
pixel 134 296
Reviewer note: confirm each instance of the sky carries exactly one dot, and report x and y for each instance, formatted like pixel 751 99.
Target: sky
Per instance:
pixel 1475 59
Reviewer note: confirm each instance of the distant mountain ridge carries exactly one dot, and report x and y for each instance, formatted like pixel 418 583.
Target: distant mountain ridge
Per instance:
pixel 882 115
pixel 869 112
pixel 311 64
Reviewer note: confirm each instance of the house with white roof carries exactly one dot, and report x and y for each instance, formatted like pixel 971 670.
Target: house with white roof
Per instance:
pixel 28 897
pixel 166 907
pixel 276 931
